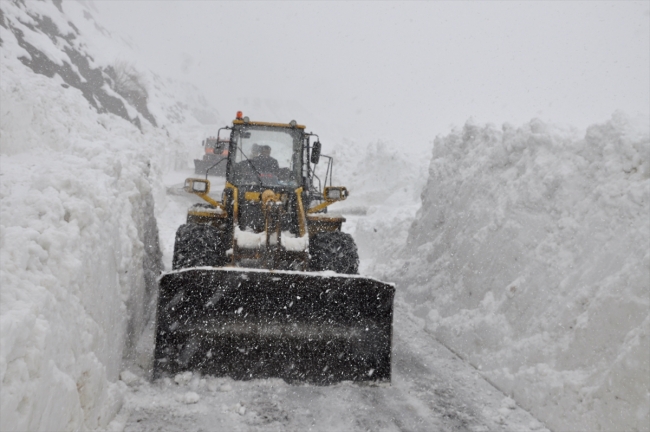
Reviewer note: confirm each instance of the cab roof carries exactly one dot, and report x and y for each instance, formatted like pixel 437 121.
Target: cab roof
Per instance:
pixel 271 124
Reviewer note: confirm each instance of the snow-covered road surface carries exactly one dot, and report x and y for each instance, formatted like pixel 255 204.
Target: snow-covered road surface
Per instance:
pixel 431 390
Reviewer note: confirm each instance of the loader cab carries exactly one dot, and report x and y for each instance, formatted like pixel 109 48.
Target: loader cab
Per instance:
pixel 273 204
pixel 266 156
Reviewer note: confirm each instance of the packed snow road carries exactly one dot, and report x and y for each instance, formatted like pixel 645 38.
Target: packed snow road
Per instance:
pixel 431 389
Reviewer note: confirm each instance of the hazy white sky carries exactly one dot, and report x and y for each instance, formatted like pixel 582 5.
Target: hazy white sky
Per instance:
pixel 403 70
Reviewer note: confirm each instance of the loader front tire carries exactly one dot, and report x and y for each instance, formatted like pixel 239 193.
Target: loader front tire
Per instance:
pixel 335 251
pixel 198 245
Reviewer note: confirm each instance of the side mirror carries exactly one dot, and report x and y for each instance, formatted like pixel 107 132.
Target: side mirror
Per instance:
pixel 197 186
pixel 338 193
pixel 315 152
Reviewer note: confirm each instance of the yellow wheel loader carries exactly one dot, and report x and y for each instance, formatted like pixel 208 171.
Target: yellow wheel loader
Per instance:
pixel 264 283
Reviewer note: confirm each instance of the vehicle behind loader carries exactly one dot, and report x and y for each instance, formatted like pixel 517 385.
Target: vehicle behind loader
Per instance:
pixel 264 281
pixel 215 151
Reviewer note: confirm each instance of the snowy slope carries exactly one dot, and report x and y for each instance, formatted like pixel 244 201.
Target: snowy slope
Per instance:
pixel 80 167
pixel 530 258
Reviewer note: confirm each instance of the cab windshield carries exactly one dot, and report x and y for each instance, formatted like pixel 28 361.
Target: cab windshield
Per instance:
pixel 266 156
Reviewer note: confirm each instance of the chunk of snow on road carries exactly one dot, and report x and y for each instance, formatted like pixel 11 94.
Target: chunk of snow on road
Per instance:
pixel 183 378
pixel 129 378
pixel 189 398
pixel 238 408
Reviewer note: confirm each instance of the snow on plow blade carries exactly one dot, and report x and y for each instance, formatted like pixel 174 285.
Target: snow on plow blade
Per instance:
pixel 243 323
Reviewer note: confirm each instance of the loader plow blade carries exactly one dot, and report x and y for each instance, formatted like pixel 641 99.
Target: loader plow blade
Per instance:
pixel 299 326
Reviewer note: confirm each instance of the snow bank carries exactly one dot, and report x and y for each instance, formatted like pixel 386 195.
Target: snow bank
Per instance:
pixel 530 258
pixel 76 224
pixel 78 239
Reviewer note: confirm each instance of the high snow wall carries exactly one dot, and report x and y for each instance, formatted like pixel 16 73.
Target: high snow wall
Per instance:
pixel 76 229
pixel 530 259
pixel 80 180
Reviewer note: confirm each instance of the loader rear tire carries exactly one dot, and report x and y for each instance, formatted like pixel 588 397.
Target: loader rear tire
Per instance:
pixel 335 251
pixel 198 245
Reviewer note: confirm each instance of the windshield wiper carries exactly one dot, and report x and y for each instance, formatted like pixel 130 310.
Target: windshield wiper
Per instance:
pixel 257 173
pixel 214 165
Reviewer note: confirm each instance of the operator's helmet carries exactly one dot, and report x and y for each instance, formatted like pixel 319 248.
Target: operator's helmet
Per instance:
pixel 265 150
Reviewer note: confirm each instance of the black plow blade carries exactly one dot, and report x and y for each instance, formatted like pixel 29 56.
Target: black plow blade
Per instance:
pixel 312 327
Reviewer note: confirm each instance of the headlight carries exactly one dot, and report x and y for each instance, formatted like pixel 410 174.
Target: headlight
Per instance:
pixel 198 186
pixel 338 193
pixel 334 194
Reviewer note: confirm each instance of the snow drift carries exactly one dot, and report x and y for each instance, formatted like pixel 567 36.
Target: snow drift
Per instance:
pixel 79 169
pixel 530 259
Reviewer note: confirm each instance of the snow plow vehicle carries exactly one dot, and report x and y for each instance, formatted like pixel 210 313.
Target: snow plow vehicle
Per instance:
pixel 264 283
pixel 215 152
